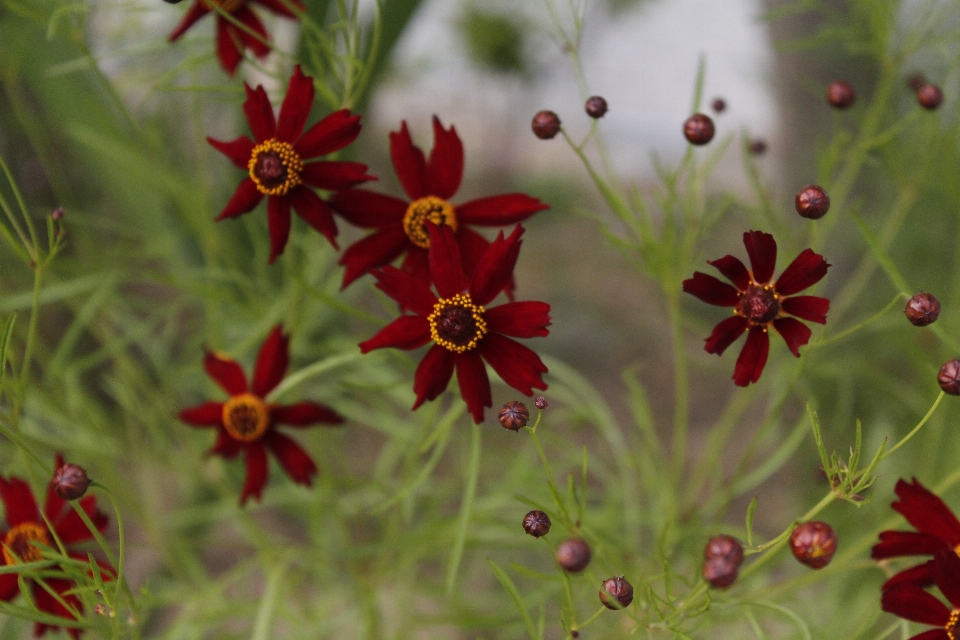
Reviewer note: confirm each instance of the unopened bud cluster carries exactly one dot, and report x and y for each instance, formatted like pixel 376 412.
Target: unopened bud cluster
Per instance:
pixel 722 556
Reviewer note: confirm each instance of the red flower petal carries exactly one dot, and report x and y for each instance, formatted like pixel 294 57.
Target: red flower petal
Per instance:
pixel 280 6
pixel 315 213
pixel 762 251
pixel 446 269
pixel 926 512
pixel 732 269
pixel 208 414
pixel 244 199
pixel 229 46
pixel 406 332
pixel 794 333
pixel 331 134
pixel 445 169
pixel 296 106
pixel 810 308
pixel 409 163
pixel 376 250
pixel 226 373
pixel 71 528
pixel 518 366
pixel 946 573
pixel 918 576
pixel 303 414
pixel 292 457
pixel 259 113
pixel 433 374
pixel 752 358
pixel 806 270
pixel 278 223
pixel 9 589
pixel 932 634
pixel 47 603
pixel 409 292
pixel 711 290
pixel 368 209
pixel 272 362
pixel 495 269
pixel 249 19
pixel 725 333
pixel 239 150
pixel 19 505
pixel 256 461
pixel 474 383
pixel 519 319
pixel 417 264
pixel 915 604
pixel 334 176
pixel 894 544
pixel 196 11
pixel 498 211
pixel 226 446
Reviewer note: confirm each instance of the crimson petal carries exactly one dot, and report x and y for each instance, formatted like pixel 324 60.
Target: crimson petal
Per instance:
pixel 296 106
pixel 19 505
pixel 226 446
pixel 762 251
pixel 519 319
pixel 894 544
pixel 226 373
pixel 495 269
pixel 752 358
pixel 406 332
pixel 9 588
pixel 333 133
pixel 946 573
pixel 208 414
pixel 806 270
pixel 711 290
pixel 377 249
pixel 446 268
pixel 249 19
pixel 48 604
pixel 278 223
pixel 919 576
pixel 417 264
pixel 272 362
pixel 409 163
pixel 239 150
pixel 303 414
pixel 433 374
pixel 259 113
pixel 409 292
pixel 497 211
pixel 732 269
pixel 812 308
pixel 315 213
pixel 196 11
pixel 229 46
pixel 369 209
pixel 244 199
pixel 913 603
pixel 474 383
pixel 444 171
pixel 256 462
pixel 794 333
pixel 725 333
pixel 926 512
pixel 518 366
pixel 334 176
pixel 294 460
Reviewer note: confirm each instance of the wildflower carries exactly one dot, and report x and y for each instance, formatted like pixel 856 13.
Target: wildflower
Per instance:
pixel 29 532
pixel 232 39
pixel 573 555
pixel 722 557
pixel 936 528
pixel 429 184
pixel 840 95
pixel 616 593
pixel 464 332
pixel 536 523
pixel 247 422
pixel 758 301
pixel 275 163
pixel 813 543
pixel 913 603
pixel 698 129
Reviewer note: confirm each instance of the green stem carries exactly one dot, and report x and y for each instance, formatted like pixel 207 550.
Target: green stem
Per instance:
pixel 922 422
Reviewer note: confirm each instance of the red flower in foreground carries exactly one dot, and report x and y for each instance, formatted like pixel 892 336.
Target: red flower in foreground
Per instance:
pixel 937 528
pixel 464 332
pixel 231 39
pixel 28 529
pixel 759 301
pixel 913 603
pixel 247 422
pixel 429 184
pixel 275 163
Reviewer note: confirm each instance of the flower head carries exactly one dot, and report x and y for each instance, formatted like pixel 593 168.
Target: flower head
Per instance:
pixel 400 224
pixel 275 161
pixel 231 39
pixel 248 422
pixel 759 301
pixel 463 330
pixel 913 603
pixel 28 532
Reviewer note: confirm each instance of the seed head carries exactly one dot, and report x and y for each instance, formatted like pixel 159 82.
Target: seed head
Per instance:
pixel 840 94
pixel 698 129
pixel 536 523
pixel 812 202
pixel 922 309
pixel 723 556
pixel 929 96
pixel 616 593
pixel 949 377
pixel 514 415
pixel 814 543
pixel 596 107
pixel 719 105
pixel 546 124
pixel 541 403
pixel 70 481
pixel 573 555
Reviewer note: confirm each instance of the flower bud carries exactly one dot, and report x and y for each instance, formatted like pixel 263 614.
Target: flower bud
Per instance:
pixel 57 214
pixel 698 129
pixel 812 202
pixel 719 105
pixel 758 147
pixel 922 309
pixel 546 124
pixel 514 415
pixel 573 555
pixel 616 593
pixel 723 556
pixel 536 523
pixel 541 403
pixel 929 96
pixel 813 543
pixel 70 481
pixel 949 377
pixel 840 94
pixel 596 107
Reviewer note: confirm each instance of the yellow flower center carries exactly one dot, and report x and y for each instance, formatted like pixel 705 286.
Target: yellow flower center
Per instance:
pixel 275 167
pixel 457 324
pixel 952 624
pixel 429 209
pixel 227 5
pixel 17 545
pixel 245 417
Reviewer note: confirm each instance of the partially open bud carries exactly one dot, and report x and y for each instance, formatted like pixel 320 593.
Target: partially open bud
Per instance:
pixel 813 543
pixel 546 124
pixel 616 593
pixel 514 415
pixel 812 202
pixel 70 481
pixel 722 556
pixel 541 403
pixel 949 377
pixel 922 309
pixel 719 105
pixel 573 555
pixel 596 107
pixel 840 94
pixel 698 129
pixel 929 96
pixel 536 523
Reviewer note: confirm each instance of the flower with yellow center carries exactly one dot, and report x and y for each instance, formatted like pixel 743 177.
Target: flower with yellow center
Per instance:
pixel 18 546
pixel 423 210
pixel 246 417
pixel 457 324
pixel 275 167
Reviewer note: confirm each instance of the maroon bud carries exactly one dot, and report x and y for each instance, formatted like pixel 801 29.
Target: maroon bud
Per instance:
pixel 758 147
pixel 916 81
pixel 922 309
pixel 616 593
pixel 813 543
pixel 929 96
pixel 949 377
pixel 546 124
pixel 541 403
pixel 698 129
pixel 574 633
pixel 812 202
pixel 573 555
pixel 514 415
pixel 719 105
pixel 596 107
pixel 723 556
pixel 57 214
pixel 70 481
pixel 840 94
pixel 536 523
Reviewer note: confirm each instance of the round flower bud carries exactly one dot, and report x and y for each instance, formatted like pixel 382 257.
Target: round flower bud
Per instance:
pixel 698 129
pixel 922 309
pixel 719 105
pixel 541 403
pixel 514 415
pixel 758 147
pixel 813 543
pixel 546 124
pixel 723 556
pixel 536 523
pixel 596 107
pixel 840 94
pixel 929 96
pixel 616 593
pixel 812 202
pixel 57 214
pixel 573 555
pixel 70 481
pixel 949 377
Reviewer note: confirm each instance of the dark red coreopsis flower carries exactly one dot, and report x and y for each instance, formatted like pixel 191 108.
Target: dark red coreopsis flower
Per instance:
pixel 28 529
pixel 936 528
pixel 429 184
pixel 274 161
pixel 913 603
pixel 248 422
pixel 759 301
pixel 463 330
pixel 231 39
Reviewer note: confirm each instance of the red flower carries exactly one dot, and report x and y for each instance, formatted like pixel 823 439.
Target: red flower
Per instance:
pixel 429 184
pixel 936 528
pixel 247 422
pixel 913 603
pixel 759 301
pixel 463 331
pixel 274 161
pixel 232 40
pixel 27 529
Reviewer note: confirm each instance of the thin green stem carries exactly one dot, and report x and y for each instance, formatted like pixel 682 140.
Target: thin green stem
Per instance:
pixel 913 432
